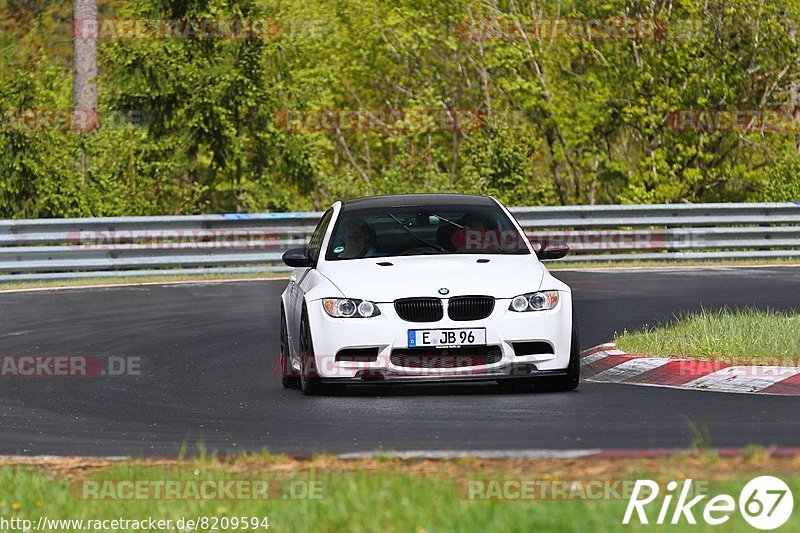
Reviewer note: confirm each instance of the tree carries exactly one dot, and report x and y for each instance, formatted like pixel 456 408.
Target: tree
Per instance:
pixel 84 44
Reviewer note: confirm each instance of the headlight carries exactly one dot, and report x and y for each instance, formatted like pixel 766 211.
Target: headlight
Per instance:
pixel 534 301
pixel 349 308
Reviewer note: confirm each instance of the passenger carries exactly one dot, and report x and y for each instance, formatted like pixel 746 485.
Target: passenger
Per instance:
pixel 474 221
pixel 478 234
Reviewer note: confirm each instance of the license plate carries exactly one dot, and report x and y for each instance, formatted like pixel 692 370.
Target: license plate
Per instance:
pixel 446 337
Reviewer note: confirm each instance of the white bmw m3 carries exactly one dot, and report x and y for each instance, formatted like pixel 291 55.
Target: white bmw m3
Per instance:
pixel 425 287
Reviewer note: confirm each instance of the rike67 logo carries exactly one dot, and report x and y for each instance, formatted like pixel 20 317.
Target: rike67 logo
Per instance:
pixel 765 503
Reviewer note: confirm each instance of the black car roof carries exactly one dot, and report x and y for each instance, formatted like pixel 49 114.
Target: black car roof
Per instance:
pixel 413 200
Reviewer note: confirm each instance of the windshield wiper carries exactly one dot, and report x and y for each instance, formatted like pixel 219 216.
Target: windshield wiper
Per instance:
pixel 417 237
pixel 440 217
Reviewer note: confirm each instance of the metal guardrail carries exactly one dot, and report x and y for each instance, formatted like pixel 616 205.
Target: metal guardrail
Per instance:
pixel 136 246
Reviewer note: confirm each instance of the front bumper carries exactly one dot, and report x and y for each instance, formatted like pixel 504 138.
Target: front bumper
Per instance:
pixel 388 332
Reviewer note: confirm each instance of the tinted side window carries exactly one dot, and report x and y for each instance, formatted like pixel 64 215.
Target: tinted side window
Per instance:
pixel 315 243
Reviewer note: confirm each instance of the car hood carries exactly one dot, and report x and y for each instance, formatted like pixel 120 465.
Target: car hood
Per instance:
pixel 503 276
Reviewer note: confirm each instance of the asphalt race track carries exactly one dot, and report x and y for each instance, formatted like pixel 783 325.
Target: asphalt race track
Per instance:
pixel 207 351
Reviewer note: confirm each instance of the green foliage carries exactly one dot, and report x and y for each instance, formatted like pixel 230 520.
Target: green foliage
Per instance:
pixel 241 124
pixel 782 181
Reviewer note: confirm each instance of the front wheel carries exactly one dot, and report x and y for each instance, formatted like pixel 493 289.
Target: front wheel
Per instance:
pixel 564 383
pixel 289 378
pixel 571 380
pixel 309 378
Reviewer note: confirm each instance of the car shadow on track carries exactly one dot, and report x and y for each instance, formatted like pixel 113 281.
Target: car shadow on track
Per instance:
pixel 431 389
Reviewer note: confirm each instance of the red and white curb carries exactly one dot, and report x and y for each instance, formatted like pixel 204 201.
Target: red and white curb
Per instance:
pixel 605 363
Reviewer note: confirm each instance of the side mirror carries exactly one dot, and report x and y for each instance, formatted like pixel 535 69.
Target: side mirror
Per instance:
pixel 298 257
pixel 552 250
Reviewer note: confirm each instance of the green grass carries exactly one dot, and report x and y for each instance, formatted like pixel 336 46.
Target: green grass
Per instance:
pixel 357 501
pixel 736 336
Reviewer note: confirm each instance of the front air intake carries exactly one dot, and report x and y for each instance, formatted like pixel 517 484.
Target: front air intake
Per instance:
pixel 446 358
pixel 357 355
pixel 532 348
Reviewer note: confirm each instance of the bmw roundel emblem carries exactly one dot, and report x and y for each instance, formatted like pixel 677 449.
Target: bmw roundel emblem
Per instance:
pixel 444 290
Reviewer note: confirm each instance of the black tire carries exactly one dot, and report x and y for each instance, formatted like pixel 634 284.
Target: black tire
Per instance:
pixel 553 384
pixel 573 377
pixel 309 380
pixel 289 378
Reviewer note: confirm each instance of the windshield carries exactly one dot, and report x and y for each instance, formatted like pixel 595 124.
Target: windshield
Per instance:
pixel 382 232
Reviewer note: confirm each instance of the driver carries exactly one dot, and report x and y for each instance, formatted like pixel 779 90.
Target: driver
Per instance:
pixel 359 241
